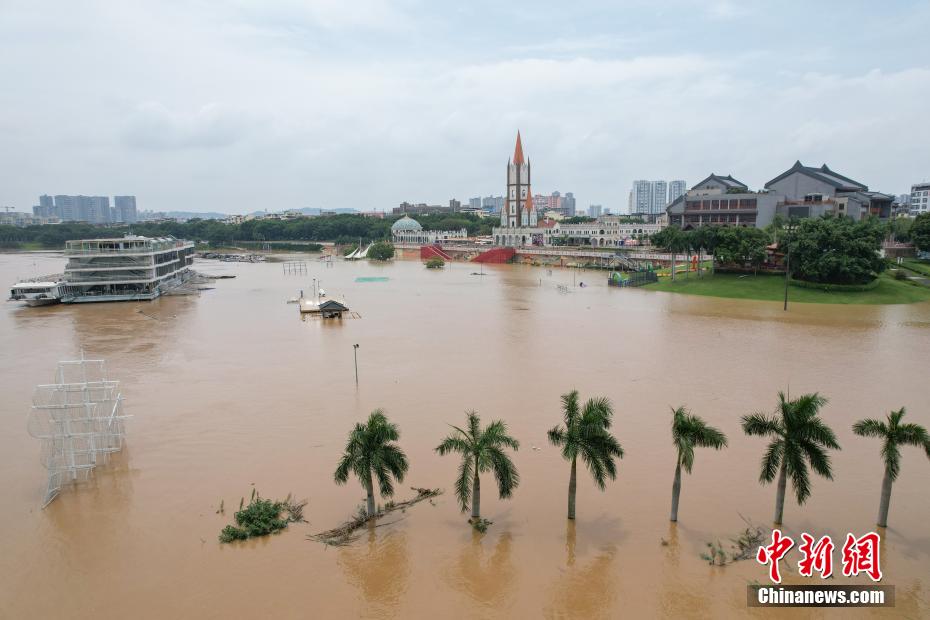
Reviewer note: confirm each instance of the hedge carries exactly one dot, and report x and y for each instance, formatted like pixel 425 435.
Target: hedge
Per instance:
pixel 835 288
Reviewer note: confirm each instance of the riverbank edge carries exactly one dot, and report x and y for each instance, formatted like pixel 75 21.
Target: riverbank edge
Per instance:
pixel 888 291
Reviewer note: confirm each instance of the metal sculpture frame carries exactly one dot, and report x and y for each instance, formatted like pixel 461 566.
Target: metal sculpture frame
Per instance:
pixel 80 421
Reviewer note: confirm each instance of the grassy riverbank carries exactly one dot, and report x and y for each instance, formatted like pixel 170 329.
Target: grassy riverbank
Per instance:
pixel 772 288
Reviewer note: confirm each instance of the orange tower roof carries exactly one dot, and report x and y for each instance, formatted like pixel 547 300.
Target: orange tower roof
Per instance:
pixel 518 151
pixel 528 204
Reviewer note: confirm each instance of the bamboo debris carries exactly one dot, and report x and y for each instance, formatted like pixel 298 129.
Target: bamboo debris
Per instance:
pixel 345 533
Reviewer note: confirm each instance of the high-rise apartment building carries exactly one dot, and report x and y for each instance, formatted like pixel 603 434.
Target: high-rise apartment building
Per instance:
pixel 595 210
pixel 124 209
pixel 653 196
pixel 675 189
pixel 641 200
pixel 659 196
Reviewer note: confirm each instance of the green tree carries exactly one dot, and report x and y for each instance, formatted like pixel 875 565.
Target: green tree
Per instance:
pixel 482 450
pixel 371 451
pixel 799 437
pixel 690 432
pixel 382 250
pixel 835 250
pixel 920 232
pixel 741 245
pixel 672 240
pixel 893 435
pixel 586 433
pixel 435 263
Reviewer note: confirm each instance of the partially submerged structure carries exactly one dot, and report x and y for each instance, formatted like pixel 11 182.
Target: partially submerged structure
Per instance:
pixel 326 308
pixel 128 268
pixel 79 420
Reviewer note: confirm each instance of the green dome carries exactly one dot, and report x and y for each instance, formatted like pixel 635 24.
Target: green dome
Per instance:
pixel 406 223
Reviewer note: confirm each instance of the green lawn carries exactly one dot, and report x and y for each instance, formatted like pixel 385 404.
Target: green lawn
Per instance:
pixel 772 288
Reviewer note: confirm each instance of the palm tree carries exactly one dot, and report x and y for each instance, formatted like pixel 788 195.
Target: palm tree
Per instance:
pixel 586 434
pixel 894 434
pixel 370 451
pixel 799 437
pixel 482 450
pixel 690 432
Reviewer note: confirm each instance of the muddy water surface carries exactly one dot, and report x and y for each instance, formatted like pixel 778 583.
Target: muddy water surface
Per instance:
pixel 232 391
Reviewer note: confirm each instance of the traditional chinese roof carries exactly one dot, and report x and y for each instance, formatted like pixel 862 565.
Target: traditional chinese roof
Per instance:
pixel 518 151
pixel 824 174
pixel 727 181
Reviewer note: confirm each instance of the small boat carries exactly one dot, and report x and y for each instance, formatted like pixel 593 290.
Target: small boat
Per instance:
pixel 42 291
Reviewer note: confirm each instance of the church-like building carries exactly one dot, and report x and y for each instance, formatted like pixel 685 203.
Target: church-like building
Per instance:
pixel 519 223
pixel 518 208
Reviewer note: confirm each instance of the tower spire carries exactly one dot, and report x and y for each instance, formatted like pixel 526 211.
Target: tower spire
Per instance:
pixel 518 151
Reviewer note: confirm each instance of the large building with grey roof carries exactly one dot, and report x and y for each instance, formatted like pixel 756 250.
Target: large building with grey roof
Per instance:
pixel 800 191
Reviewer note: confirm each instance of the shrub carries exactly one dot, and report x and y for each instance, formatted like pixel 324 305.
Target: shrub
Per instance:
pixel 382 250
pixel 435 263
pixel 262 517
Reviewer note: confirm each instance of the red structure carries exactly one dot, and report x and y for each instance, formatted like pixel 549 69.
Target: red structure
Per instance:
pixel 430 251
pixel 497 255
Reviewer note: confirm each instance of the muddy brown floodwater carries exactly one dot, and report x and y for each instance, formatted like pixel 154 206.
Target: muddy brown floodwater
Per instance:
pixel 232 391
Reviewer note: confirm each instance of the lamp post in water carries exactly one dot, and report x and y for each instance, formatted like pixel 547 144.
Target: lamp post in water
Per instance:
pixel 355 353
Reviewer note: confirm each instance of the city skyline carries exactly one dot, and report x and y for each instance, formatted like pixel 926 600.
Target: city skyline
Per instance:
pixel 285 105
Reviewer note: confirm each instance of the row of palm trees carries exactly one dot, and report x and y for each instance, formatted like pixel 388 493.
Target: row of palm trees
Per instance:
pixel 799 442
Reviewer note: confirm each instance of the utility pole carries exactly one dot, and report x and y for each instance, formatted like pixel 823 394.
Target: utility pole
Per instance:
pixel 355 353
pixel 787 275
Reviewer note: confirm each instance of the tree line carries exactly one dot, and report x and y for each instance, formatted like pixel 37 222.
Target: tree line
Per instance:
pixel 342 228
pixel 799 442
pixel 831 250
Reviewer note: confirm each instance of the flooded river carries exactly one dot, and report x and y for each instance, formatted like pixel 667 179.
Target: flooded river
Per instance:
pixel 232 391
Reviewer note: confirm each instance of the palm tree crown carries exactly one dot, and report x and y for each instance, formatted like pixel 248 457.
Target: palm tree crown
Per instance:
pixel 586 434
pixel 690 432
pixel 799 437
pixel 894 434
pixel 370 451
pixel 482 451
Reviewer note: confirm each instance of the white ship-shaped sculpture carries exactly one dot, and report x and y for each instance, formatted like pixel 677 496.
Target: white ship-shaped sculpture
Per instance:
pixel 79 420
pixel 359 253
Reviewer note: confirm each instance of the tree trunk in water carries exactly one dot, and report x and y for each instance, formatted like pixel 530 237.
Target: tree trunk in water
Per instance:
pixel 886 500
pixel 572 486
pixel 476 496
pixel 780 496
pixel 676 490
pixel 371 496
pixel 673 266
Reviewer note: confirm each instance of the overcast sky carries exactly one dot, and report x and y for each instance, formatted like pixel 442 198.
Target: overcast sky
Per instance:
pixel 237 106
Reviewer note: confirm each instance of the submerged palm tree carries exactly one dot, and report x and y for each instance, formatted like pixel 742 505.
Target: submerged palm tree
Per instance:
pixel 799 437
pixel 690 432
pixel 586 434
pixel 370 451
pixel 482 450
pixel 894 434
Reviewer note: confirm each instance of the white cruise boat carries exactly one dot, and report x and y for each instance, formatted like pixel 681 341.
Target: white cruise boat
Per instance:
pixel 40 291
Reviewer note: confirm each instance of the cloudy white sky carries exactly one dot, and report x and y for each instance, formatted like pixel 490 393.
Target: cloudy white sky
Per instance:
pixel 236 105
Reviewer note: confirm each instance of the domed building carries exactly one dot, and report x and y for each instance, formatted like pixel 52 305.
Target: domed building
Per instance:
pixel 406 224
pixel 408 230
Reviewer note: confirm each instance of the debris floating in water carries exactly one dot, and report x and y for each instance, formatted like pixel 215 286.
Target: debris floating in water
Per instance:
pixel 345 533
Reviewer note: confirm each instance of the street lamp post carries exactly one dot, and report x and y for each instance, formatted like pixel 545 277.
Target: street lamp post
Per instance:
pixel 787 275
pixel 355 354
